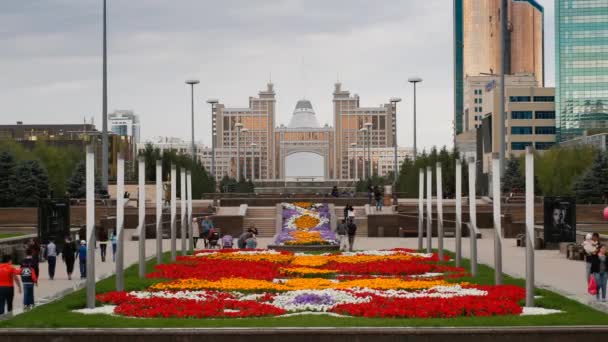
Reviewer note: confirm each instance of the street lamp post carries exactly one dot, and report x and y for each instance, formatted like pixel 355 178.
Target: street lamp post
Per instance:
pixel 192 83
pixel 238 127
pixel 213 102
pixel 245 130
pixel 104 109
pixel 253 146
pixel 364 131
pixel 415 80
pixel 369 125
pixel 394 102
pixel 356 159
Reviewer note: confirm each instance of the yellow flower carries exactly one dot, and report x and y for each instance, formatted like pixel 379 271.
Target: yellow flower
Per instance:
pixel 306 222
pixel 304 205
pixel 309 260
pixel 390 283
pixel 305 271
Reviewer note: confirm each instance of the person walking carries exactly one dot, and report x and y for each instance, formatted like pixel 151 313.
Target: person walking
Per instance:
pixel 196 232
pixel 9 276
pixel 29 278
pixel 599 270
pixel 68 254
pixel 113 241
pixel 103 243
pixel 51 258
pixel 342 231
pixel 590 247
pixel 370 194
pixel 207 226
pixel 378 198
pixel 352 231
pixel 82 258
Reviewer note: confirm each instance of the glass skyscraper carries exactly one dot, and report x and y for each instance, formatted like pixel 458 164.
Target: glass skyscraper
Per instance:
pixel 581 44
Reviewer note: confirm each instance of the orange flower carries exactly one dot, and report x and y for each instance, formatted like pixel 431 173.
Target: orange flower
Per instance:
pixel 306 222
pixel 303 205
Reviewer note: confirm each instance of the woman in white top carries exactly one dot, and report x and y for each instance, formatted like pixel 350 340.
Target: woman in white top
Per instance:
pixel 196 233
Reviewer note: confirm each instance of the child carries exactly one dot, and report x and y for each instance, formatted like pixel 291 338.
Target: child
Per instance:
pixel 82 258
pixel 227 241
pixel 28 278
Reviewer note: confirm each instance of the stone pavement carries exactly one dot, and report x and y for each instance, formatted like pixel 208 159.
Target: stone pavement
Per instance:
pixel 48 290
pixel 553 270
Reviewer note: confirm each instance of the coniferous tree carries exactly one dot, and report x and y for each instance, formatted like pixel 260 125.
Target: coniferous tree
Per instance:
pixel 7 179
pixel 592 186
pixel 41 176
pixel 77 183
pixel 26 193
pixel 513 179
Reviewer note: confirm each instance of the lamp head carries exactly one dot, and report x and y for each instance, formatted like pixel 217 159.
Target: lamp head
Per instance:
pixel 192 82
pixel 414 79
pixel 238 125
pixel 395 99
pixel 213 101
pixel 364 129
pixel 245 130
pixel 367 124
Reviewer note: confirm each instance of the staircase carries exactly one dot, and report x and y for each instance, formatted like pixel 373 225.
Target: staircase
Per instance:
pixel 360 219
pixel 263 218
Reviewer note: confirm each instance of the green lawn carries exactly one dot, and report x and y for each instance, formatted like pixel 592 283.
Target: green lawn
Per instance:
pixel 58 313
pixel 9 235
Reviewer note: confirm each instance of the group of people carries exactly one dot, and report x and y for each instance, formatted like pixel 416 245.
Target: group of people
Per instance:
pixel 596 264
pixel 347 229
pixel 212 238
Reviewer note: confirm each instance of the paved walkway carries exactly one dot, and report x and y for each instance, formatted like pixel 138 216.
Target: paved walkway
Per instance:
pixel 553 270
pixel 50 289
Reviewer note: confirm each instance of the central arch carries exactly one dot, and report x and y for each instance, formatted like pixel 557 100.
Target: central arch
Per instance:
pixel 304 164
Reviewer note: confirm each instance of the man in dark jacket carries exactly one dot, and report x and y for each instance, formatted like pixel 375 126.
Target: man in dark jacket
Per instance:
pixel 352 230
pixel 342 232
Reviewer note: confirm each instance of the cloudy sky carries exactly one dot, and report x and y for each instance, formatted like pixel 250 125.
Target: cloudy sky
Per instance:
pixel 50 59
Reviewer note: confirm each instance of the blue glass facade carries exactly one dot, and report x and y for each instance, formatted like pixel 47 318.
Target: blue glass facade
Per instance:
pixel 581 44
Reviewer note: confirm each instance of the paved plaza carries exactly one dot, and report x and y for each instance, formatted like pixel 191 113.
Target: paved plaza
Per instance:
pixel 553 270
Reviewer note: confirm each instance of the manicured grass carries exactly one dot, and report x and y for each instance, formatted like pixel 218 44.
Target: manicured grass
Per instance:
pixel 58 314
pixel 9 235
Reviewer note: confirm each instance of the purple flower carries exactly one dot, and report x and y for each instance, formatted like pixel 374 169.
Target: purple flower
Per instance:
pixel 313 298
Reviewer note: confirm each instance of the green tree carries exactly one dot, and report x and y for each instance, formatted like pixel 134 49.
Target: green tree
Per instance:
pixel 592 186
pixel 558 168
pixel 31 183
pixel 228 184
pixel 7 179
pixel 58 163
pixel 513 179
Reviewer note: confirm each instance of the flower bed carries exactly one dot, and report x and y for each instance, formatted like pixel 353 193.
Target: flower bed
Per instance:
pixel 257 283
pixel 305 223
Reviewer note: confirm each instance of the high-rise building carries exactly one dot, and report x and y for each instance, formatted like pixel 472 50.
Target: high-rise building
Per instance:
pixel 125 123
pixel 581 52
pixel 477 44
pixel 349 118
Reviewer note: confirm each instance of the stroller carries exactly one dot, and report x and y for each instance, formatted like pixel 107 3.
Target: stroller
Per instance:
pixel 227 241
pixel 214 238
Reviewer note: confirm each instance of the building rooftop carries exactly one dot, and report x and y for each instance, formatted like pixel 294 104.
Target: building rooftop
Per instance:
pixel 304 116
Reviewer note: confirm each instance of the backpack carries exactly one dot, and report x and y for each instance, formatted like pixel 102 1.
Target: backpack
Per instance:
pixel 227 241
pixel 27 275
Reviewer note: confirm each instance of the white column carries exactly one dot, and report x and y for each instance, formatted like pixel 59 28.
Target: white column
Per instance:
pixel 429 209
pixel 420 209
pixel 497 223
pixel 182 197
pixel 189 218
pixel 120 215
pixel 141 200
pixel 173 212
pixel 439 192
pixel 90 220
pixel 458 213
pixel 159 212
pixel 473 216
pixel 529 227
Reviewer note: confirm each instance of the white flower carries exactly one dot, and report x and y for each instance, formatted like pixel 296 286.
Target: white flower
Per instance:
pixel 528 311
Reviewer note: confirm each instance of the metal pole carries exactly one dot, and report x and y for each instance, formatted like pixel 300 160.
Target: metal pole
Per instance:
pixel 497 218
pixel 192 110
pixel 458 213
pixel 189 199
pixel 182 197
pixel 159 212
pixel 238 154
pixel 501 103
pixel 473 217
pixel 104 109
pixel 173 212
pixel 420 209
pixel 396 167
pixel 120 215
pixel 415 151
pixel 529 227
pixel 90 238
pixel 369 151
pixel 439 192
pixel 213 123
pixel 429 209
pixel 364 168
pixel 142 217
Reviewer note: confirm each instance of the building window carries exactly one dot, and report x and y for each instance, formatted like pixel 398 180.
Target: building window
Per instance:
pixel 544 130
pixel 520 130
pixel 544 98
pixel 545 114
pixel 520 146
pixel 521 115
pixel 480 101
pixel 544 145
pixel 520 98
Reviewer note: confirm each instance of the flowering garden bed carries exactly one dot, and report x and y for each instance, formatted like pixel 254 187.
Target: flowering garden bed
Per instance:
pixel 396 283
pixel 306 224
